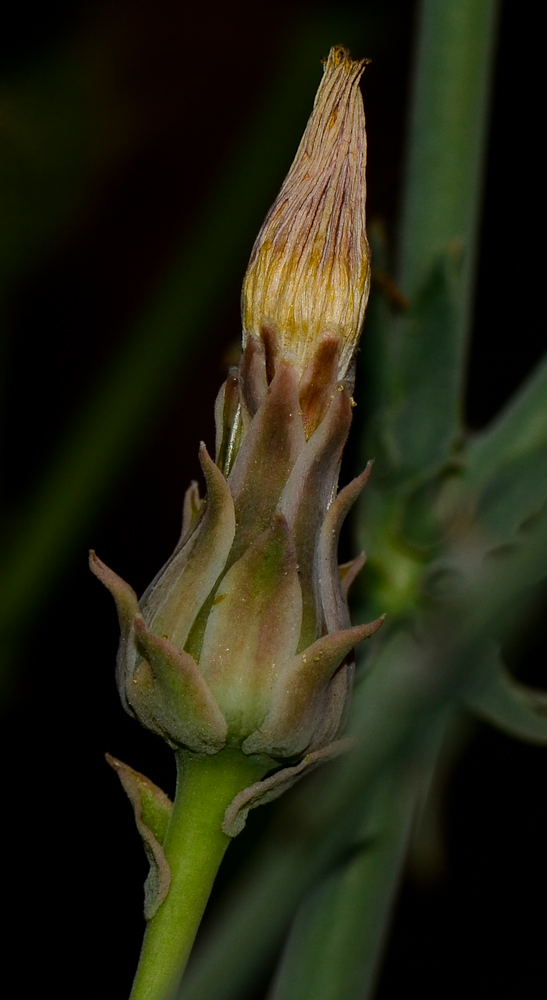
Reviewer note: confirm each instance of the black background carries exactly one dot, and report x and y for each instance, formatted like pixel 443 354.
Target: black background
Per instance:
pixel 72 855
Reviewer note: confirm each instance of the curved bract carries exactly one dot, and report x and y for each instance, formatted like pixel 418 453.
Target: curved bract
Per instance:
pixel 243 641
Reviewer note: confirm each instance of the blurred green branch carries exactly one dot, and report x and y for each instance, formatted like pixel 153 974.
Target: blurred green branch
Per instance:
pixel 421 363
pixel 333 947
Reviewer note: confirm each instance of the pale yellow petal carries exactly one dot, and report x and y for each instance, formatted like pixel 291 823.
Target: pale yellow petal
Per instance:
pixel 309 271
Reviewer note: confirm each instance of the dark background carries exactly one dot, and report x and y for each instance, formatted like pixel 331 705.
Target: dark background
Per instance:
pixel 174 84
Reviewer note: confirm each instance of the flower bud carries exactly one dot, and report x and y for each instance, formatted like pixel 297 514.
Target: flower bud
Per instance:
pixel 309 273
pixel 243 640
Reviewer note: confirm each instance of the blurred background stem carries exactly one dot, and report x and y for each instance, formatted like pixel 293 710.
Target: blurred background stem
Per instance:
pixel 447 139
pixel 337 937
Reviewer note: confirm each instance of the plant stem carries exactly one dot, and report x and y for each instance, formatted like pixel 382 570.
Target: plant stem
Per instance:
pixel 194 847
pixel 419 371
pixel 447 138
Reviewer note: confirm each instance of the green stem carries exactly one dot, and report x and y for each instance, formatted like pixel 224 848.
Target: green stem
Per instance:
pixel 420 368
pixel 447 138
pixel 194 847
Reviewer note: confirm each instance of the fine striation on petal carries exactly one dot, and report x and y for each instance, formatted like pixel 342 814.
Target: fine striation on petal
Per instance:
pixel 309 271
pixel 243 638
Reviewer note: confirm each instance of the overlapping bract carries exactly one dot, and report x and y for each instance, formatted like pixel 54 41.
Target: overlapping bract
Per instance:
pixel 243 639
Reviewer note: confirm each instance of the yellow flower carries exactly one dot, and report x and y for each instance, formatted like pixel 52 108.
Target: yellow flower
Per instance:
pixel 308 278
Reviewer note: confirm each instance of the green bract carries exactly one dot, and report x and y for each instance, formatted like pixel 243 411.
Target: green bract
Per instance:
pixel 243 640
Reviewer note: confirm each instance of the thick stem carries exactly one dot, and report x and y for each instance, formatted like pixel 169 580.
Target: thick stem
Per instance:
pixel 447 139
pixel 194 847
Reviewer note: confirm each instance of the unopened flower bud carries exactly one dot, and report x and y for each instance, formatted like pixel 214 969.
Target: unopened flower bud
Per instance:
pixel 243 641
pixel 309 275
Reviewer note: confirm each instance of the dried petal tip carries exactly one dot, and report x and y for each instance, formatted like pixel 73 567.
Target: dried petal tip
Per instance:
pixel 309 275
